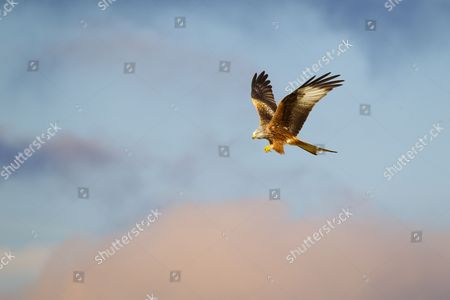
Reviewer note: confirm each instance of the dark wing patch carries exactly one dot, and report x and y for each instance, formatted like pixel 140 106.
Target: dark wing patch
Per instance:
pixel 294 109
pixel 262 98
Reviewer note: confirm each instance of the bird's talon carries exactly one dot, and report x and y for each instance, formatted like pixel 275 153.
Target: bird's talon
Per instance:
pixel 267 148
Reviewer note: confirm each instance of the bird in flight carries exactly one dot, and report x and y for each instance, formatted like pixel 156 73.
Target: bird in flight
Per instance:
pixel 280 125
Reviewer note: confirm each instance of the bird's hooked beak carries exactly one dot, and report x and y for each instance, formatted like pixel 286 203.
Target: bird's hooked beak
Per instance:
pixel 253 136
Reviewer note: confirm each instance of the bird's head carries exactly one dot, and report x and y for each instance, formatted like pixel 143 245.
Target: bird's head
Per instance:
pixel 258 133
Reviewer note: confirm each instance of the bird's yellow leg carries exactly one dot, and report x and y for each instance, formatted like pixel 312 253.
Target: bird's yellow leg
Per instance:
pixel 268 148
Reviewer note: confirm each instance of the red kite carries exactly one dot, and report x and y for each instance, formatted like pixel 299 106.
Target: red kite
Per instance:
pixel 280 125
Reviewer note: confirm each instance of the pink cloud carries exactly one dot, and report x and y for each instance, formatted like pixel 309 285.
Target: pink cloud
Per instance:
pixel 238 251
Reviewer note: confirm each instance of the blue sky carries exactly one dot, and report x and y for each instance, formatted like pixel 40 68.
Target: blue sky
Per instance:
pixel 150 139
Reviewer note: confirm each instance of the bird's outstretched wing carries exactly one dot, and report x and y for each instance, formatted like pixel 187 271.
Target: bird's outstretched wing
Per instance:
pixel 294 109
pixel 262 98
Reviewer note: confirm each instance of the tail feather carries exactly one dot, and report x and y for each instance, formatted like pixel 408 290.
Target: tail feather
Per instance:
pixel 311 148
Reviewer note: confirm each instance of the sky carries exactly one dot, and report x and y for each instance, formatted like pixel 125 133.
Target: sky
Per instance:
pixel 151 138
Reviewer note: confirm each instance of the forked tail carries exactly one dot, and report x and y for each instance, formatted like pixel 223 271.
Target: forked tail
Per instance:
pixel 311 148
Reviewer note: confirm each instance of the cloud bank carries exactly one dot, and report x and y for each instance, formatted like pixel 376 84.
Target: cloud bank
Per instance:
pixel 238 251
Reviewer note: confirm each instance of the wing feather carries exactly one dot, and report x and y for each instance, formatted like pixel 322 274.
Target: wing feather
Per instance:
pixel 262 98
pixel 294 109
